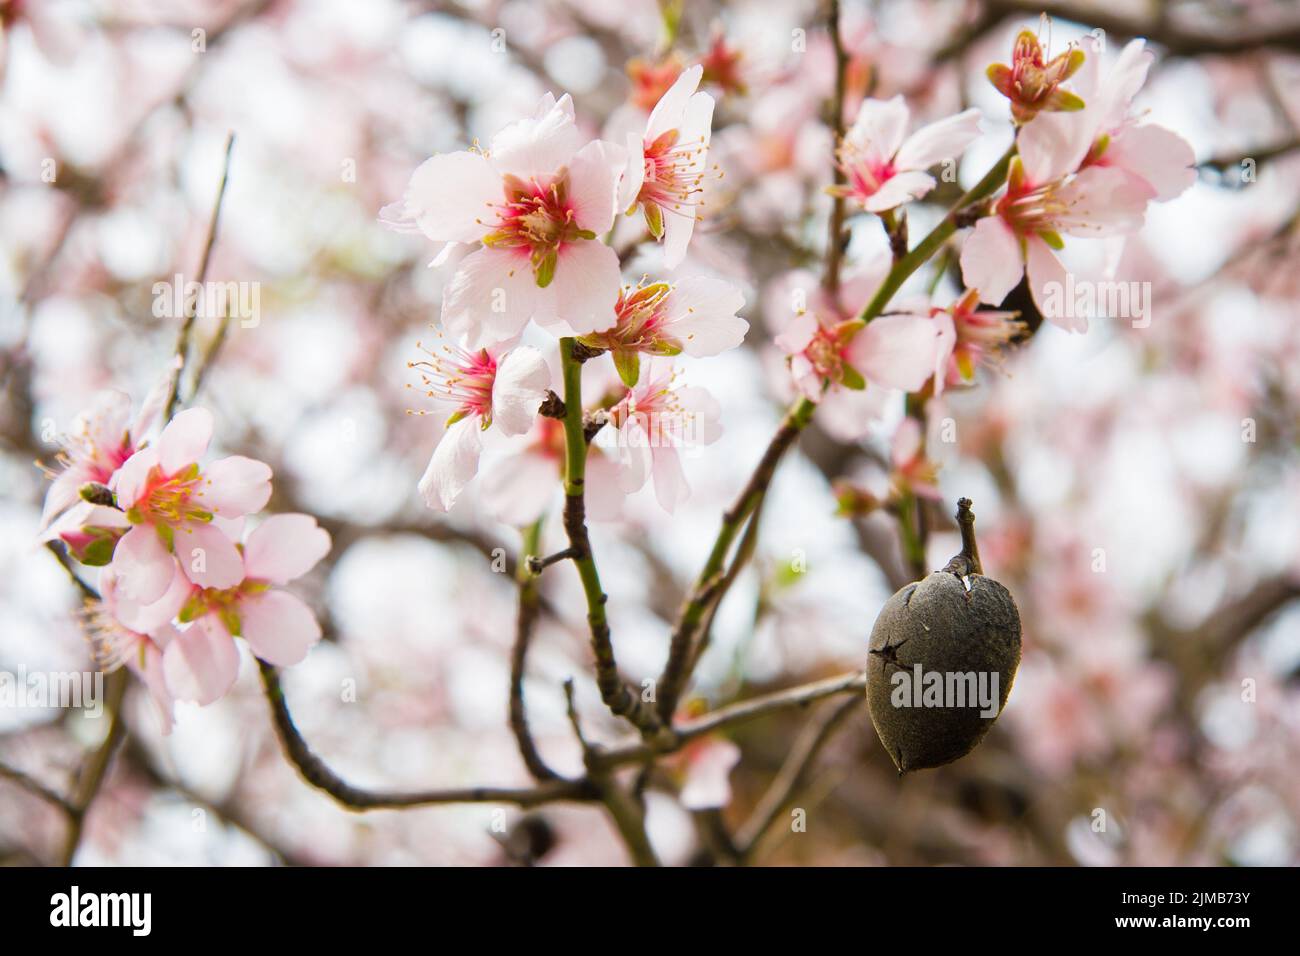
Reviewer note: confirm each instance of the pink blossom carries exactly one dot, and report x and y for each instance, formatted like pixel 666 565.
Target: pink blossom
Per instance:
pixel 847 367
pixel 1032 82
pixel 101 440
pixel 885 170
pixel 1044 198
pixel 124 635
pixel 970 337
pixel 175 507
pixel 696 316
pixel 201 662
pixel 666 164
pixel 536 201
pixel 912 469
pixel 651 423
pixel 483 388
pixel 1107 133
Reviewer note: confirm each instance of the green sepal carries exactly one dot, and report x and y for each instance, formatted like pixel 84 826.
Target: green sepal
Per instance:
pixel 100 551
pixel 654 219
pixel 1053 239
pixel 230 619
pixel 545 268
pixel 628 364
pixel 1063 101
pixel 852 379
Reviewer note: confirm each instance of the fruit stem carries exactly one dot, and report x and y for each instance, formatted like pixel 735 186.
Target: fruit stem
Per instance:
pixel 967 561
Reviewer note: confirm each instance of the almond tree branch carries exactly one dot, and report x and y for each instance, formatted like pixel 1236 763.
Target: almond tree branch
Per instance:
pixel 317 773
pixel 96 768
pixel 710 586
pixel 191 308
pixel 792 775
pixel 621 699
pixel 525 621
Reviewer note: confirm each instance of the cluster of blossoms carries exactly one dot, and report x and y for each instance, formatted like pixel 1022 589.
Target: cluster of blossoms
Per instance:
pixel 537 207
pixel 180 579
pixel 1084 166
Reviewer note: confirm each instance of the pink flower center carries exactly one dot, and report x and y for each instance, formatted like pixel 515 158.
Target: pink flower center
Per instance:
pixel 641 313
pixel 537 217
pixel 672 177
pixel 171 499
pixel 865 175
pixel 462 379
pixel 826 354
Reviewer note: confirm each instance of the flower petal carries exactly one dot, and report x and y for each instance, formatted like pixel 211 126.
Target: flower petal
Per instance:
pixel 991 261
pixel 1047 285
pixel 450 197
pixel 491 298
pixel 702 316
pixel 897 189
pixel 236 486
pixel 1162 158
pixel 593 185
pixel 284 547
pixel 201 662
pixel 184 440
pixel 670 111
pixel 208 557
pixel 278 626
pixel 586 287
pixel 878 130
pixel 143 565
pixel 130 482
pixel 517 391
pixel 454 463
pixel 944 139
pixel 897 351
pixel 536 147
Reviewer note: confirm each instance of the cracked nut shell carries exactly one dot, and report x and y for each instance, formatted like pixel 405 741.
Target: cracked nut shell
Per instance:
pixel 947 629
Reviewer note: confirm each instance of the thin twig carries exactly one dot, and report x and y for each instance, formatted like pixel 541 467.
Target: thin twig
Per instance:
pixel 315 772
pixel 792 775
pixel 525 621
pixel 191 308
pixel 621 699
pixel 93 774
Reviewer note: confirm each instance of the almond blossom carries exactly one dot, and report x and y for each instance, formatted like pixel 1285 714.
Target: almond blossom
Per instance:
pixel 651 423
pixel 883 168
pixel 1032 82
pixel 696 316
pixel 1107 133
pixel 483 387
pixel 175 507
pixel 1044 198
pixel 128 637
pixel 665 166
pixel 970 337
pixel 201 662
pixel 535 203
pixel 102 438
pixel 849 367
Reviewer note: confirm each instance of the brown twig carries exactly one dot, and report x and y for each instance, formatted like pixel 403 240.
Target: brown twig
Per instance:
pixel 318 774
pixel 792 775
pixel 191 308
pixel 525 621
